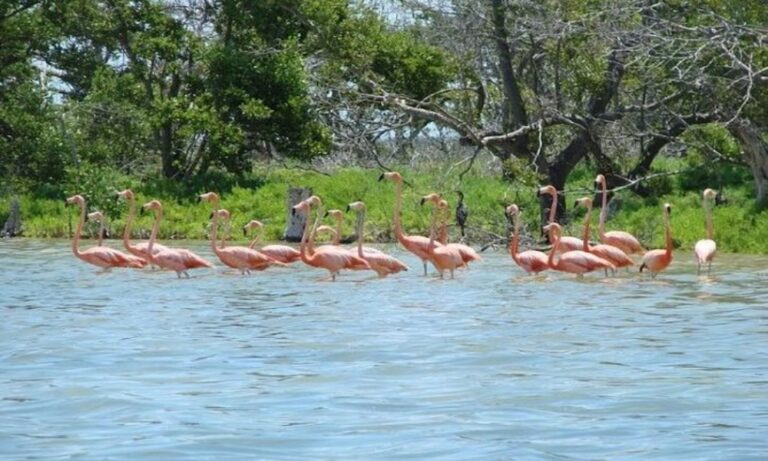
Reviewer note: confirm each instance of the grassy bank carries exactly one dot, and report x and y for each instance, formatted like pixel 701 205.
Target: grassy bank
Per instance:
pixel 739 226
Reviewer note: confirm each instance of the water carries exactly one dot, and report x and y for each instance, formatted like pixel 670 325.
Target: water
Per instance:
pixel 285 365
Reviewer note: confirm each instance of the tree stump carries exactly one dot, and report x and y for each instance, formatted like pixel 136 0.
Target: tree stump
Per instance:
pixel 295 226
pixel 12 227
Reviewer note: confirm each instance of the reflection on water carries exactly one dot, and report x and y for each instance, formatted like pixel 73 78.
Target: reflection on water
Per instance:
pixel 286 365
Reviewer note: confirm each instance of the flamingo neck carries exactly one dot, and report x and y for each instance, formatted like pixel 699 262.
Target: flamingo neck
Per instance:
pixel 214 231
pixel 306 250
pixel 76 238
pixel 359 228
pixel 555 247
pixel 513 246
pixel 431 245
pixel 603 208
pixel 101 233
pixel 587 220
pixel 552 214
pixel 255 240
pixel 153 235
pixel 442 237
pixel 710 224
pixel 667 235
pixel 129 223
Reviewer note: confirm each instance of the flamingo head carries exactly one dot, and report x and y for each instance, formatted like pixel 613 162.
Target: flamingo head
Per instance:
pixel 302 207
pixel 553 228
pixel 96 216
pixel 393 176
pixel 210 197
pixel 126 194
pixel 338 215
pixel 512 210
pixel 709 194
pixel 313 200
pixel 251 225
pixel 599 181
pixel 76 199
pixel 432 198
pixel 323 228
pixel 547 190
pixel 222 214
pixel 356 206
pixel 586 202
pixel 442 204
pixel 667 209
pixel 152 205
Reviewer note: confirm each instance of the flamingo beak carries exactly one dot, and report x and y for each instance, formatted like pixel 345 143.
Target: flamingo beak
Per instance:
pixel 347 210
pixel 245 231
pixel 576 204
pixel 421 202
pixel 538 193
pixel 381 177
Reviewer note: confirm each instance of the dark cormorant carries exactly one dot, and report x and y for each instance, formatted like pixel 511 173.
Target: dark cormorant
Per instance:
pixel 462 212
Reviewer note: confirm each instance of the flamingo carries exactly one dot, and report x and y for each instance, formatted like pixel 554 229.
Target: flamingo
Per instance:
pixel 575 261
pixel 383 264
pixel 442 257
pixel 531 261
pixel 244 259
pixel 658 260
pixel 468 254
pixel 624 241
pixel 214 199
pixel 705 249
pixel 416 244
pixel 566 243
pixel 179 260
pixel 98 216
pixel 328 257
pixel 101 256
pixel 608 252
pixel 283 253
pixel 139 249
pixel 338 215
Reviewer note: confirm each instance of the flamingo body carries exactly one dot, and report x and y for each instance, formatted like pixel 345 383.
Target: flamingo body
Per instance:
pixel 705 249
pixel 283 253
pixel 531 261
pixel 624 241
pixel 658 260
pixel 580 262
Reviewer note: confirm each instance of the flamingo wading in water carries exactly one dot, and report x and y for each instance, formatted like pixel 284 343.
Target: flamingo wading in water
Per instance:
pixel 658 260
pixel 140 249
pixel 705 249
pixel 100 256
pixel 575 261
pixel 382 263
pixel 531 261
pixel 242 258
pixel 608 252
pixel 468 254
pixel 416 244
pixel 179 260
pixel 283 253
pixel 624 241
pixel 442 257
pixel 567 243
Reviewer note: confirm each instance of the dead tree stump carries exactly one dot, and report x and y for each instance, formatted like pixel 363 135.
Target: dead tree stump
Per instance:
pixel 295 222
pixel 12 227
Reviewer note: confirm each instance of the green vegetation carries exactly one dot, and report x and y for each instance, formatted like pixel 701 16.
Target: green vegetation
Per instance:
pixel 739 226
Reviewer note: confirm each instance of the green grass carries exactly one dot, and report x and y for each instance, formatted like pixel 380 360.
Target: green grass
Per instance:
pixel 739 226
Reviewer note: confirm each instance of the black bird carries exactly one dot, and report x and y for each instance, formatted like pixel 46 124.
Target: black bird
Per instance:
pixel 462 212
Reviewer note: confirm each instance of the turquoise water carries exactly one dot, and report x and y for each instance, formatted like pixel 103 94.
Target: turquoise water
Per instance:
pixel 283 364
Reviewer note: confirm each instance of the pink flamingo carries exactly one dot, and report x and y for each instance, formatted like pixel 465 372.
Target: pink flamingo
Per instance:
pixel 382 263
pixel 179 260
pixel 624 241
pixel 101 256
pixel 566 243
pixel 608 252
pixel 468 254
pixel 327 257
pixel 575 261
pixel 530 261
pixel 658 260
pixel 416 244
pixel 139 249
pixel 283 253
pixel 242 258
pixel 338 216
pixel 705 249
pixel 442 257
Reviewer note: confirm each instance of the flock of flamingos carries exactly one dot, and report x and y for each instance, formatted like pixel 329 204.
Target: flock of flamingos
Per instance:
pixel 568 254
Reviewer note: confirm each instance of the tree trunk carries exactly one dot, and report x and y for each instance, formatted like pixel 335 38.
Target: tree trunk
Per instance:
pixel 755 154
pixel 295 221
